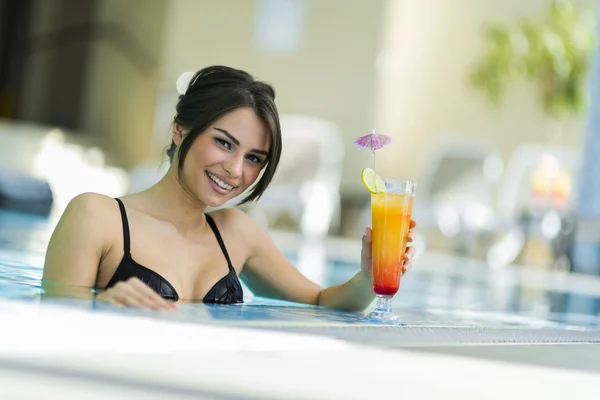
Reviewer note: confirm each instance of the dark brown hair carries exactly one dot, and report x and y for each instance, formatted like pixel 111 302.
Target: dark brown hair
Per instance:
pixel 216 90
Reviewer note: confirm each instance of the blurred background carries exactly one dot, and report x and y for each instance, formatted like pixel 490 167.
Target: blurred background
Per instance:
pixel 489 104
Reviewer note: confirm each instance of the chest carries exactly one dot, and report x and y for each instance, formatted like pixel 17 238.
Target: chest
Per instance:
pixel 191 266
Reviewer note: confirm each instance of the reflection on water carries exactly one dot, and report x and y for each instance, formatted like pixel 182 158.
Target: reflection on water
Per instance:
pixel 434 293
pixel 425 299
pixel 484 298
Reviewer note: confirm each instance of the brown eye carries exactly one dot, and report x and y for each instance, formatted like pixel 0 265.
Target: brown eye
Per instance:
pixel 253 159
pixel 223 143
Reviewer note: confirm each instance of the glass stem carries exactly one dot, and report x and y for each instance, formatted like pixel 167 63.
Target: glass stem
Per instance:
pixel 384 304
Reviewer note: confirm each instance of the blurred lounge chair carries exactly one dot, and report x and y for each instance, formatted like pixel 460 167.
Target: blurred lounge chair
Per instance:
pixel 24 193
pixel 535 201
pixel 47 167
pixel 457 193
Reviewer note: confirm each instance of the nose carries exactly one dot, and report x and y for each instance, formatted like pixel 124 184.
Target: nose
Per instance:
pixel 234 166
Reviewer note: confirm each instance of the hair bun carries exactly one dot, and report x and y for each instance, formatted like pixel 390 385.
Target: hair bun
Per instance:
pixel 183 82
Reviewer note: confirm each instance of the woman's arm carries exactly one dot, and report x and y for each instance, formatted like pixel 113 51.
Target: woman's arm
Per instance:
pixel 357 293
pixel 76 248
pixel 267 272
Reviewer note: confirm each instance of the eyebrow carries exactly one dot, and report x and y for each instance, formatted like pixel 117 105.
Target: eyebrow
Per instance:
pixel 237 142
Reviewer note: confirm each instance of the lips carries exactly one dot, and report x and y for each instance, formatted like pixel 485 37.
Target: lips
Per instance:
pixel 220 185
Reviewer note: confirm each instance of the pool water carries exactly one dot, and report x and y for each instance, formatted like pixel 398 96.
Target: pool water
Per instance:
pixel 439 291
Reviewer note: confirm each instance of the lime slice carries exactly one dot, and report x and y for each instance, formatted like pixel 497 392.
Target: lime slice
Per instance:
pixel 372 181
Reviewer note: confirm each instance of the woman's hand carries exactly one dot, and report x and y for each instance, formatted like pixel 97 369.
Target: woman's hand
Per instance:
pixel 366 253
pixel 135 293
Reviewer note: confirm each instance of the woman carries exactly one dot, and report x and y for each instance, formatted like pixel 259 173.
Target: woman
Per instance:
pixel 155 247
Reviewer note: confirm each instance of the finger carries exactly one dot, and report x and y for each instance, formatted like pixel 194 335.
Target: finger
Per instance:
pixel 410 253
pixel 413 223
pixel 411 236
pixel 118 296
pixel 155 298
pixel 366 244
pixel 149 296
pixel 114 302
pixel 408 266
pixel 124 297
pixel 132 296
pixel 107 298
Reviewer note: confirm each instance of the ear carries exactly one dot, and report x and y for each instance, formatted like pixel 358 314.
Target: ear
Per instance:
pixel 178 134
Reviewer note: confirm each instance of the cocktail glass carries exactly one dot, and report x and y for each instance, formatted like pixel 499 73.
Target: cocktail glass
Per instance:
pixel 391 215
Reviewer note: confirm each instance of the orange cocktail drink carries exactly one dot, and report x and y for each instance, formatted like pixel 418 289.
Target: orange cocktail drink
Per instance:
pixel 391 210
pixel 391 214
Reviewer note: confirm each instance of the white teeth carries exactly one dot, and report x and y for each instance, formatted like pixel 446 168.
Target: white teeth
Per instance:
pixel 220 182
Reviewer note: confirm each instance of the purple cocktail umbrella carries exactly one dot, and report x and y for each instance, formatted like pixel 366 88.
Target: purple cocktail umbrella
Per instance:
pixel 373 141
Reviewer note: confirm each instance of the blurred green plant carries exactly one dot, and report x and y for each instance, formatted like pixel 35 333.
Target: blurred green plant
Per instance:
pixel 555 55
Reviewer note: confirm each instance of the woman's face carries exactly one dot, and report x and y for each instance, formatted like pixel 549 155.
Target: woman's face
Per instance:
pixel 226 158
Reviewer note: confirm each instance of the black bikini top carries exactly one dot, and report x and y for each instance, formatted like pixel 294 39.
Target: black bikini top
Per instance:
pixel 227 290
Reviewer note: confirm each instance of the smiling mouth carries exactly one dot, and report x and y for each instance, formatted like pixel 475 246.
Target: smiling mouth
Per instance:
pixel 219 182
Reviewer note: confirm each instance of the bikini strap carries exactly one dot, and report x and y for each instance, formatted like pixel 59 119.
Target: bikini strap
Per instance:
pixel 125 226
pixel 215 230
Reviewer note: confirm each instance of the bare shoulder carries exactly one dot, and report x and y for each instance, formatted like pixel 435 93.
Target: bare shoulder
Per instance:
pixel 91 201
pixel 91 206
pixel 81 238
pixel 91 213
